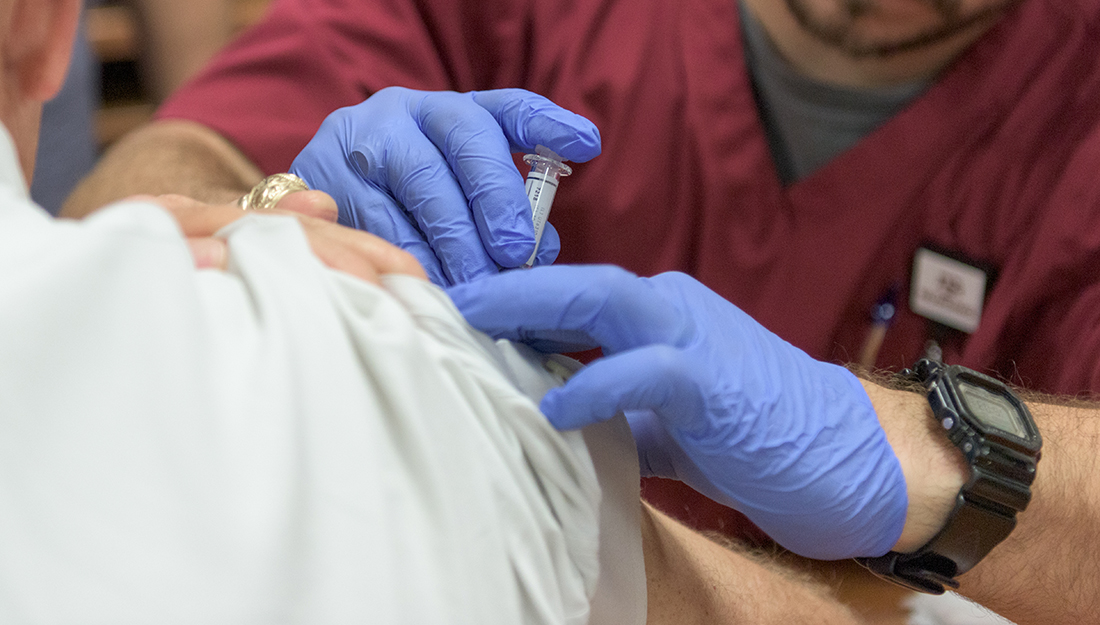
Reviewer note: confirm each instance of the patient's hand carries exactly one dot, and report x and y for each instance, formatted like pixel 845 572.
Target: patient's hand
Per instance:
pixel 352 251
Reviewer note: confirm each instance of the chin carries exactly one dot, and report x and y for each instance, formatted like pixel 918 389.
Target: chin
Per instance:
pixel 884 28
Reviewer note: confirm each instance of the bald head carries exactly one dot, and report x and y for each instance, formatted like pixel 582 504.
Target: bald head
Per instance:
pixel 36 38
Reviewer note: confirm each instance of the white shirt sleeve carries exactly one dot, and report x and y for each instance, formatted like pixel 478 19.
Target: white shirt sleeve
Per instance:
pixel 279 442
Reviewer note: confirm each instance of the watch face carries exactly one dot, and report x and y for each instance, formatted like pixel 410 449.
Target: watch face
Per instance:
pixel 992 409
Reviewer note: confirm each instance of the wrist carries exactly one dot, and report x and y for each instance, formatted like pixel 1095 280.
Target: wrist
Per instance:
pixel 935 471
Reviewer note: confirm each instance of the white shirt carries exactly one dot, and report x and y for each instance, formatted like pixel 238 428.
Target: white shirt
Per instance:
pixel 278 442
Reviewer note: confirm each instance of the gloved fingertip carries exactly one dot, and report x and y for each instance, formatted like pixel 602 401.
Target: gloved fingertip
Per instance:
pixel 549 246
pixel 553 406
pixel 573 146
pixel 572 136
pixel 512 254
pixel 549 404
pixel 583 146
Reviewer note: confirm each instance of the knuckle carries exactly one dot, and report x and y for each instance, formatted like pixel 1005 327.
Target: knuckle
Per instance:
pixel 672 278
pixel 611 279
pixel 421 181
pixel 337 120
pixel 401 261
pixel 619 286
pixel 667 361
pixel 388 95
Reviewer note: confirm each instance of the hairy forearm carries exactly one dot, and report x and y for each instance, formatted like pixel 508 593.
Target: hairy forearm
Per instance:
pixel 934 469
pixel 166 157
pixel 691 579
pixel 1045 571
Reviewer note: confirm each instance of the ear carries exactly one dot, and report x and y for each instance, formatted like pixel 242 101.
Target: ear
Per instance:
pixel 38 44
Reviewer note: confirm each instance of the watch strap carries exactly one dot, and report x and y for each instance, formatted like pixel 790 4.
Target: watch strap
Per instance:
pixel 973 528
pixel 983 516
pixel 929 573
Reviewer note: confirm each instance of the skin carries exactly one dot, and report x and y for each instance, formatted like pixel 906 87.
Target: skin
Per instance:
pixel 886 42
pixel 866 28
pixel 35 39
pixel 34 65
pixel 1040 573
pixel 1044 571
pixel 166 157
pixel 358 253
pixel 870 43
pixel 691 580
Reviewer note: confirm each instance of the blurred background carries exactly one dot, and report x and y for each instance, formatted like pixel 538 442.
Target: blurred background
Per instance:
pixel 129 56
pixel 120 44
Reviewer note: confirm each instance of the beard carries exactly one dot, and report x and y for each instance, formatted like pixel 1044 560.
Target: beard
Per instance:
pixel 840 29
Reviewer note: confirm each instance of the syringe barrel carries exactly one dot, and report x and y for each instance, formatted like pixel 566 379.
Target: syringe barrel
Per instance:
pixel 542 185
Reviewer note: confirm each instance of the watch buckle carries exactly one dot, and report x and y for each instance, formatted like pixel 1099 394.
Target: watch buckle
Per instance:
pixel 928 573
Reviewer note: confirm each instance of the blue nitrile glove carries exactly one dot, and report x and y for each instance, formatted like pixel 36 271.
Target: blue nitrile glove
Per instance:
pixel 748 419
pixel 432 172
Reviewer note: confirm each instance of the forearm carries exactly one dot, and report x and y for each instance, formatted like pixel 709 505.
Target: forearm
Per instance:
pixel 166 157
pixel 1045 571
pixel 691 579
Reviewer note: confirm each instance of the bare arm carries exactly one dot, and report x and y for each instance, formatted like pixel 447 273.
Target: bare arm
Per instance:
pixel 166 157
pixel 1046 570
pixel 692 580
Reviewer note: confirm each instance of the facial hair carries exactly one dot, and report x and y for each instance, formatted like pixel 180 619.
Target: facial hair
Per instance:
pixel 837 31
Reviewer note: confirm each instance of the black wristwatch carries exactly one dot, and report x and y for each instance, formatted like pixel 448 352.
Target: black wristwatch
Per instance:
pixel 996 433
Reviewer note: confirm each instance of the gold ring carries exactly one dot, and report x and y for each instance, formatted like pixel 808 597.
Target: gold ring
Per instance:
pixel 267 193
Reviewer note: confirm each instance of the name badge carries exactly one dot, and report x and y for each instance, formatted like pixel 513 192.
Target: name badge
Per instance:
pixel 947 291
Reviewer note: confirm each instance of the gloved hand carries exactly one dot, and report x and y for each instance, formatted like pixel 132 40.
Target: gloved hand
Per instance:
pixel 432 173
pixel 715 399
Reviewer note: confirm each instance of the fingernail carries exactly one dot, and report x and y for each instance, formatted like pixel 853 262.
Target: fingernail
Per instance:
pixel 209 253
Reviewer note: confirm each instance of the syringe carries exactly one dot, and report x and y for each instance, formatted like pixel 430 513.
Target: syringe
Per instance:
pixel 542 184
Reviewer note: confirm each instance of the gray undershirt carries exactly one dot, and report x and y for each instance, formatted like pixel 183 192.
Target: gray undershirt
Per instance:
pixel 808 123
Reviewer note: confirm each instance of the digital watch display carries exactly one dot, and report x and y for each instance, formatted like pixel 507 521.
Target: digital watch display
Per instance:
pixel 996 433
